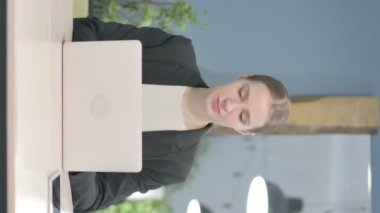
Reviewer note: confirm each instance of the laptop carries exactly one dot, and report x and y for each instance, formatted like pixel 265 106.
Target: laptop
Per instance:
pixel 102 123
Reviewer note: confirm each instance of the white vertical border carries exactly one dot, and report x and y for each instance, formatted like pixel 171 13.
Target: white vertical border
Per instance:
pixel 50 190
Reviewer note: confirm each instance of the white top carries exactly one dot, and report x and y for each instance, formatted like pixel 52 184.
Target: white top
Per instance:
pixel 161 107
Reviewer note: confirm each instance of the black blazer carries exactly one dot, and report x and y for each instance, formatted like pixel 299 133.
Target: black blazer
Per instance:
pixel 167 155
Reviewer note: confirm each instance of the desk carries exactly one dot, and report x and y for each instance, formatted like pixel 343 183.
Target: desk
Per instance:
pixel 36 31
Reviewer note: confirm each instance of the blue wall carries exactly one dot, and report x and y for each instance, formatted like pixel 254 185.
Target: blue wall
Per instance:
pixel 320 47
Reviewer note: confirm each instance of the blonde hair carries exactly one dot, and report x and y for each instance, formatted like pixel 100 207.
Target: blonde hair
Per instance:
pixel 280 107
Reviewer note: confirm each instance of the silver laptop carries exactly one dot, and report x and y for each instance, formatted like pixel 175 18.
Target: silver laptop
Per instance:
pixel 102 106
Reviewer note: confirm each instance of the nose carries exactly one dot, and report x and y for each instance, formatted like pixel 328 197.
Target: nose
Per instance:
pixel 230 104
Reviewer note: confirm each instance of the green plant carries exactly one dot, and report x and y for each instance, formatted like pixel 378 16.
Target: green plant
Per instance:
pixel 140 206
pixel 169 16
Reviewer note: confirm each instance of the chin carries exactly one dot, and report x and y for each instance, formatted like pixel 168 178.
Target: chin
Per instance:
pixel 219 123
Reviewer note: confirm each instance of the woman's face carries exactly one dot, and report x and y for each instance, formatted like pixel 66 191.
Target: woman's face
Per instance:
pixel 241 104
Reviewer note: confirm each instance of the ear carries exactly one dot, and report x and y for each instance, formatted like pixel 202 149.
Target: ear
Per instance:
pixel 244 76
pixel 245 132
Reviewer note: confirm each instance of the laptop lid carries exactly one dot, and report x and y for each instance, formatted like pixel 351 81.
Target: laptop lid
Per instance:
pixel 102 83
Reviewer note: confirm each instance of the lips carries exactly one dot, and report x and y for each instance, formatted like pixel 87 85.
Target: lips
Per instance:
pixel 216 105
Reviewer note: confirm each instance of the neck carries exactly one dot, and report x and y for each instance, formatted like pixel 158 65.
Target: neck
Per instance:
pixel 194 107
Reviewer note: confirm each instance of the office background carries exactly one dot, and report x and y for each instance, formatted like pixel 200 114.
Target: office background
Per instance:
pixel 315 47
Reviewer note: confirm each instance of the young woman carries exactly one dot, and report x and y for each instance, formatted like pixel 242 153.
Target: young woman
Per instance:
pixel 180 108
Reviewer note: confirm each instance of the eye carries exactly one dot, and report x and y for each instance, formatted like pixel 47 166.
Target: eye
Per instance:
pixel 243 117
pixel 241 92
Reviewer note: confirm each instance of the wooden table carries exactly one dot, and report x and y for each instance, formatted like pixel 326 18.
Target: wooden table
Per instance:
pixel 36 31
